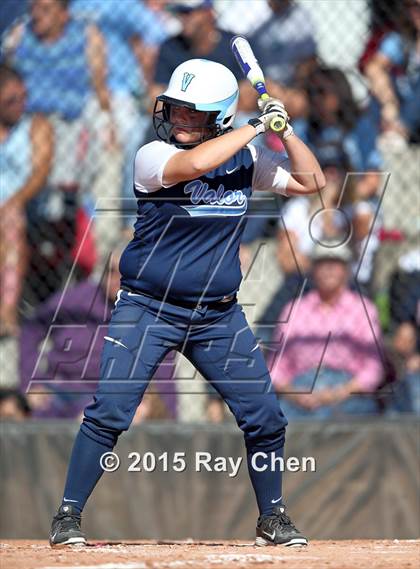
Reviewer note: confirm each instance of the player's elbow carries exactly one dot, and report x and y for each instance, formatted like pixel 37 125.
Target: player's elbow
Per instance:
pixel 199 162
pixel 320 181
pixel 315 183
pixel 197 167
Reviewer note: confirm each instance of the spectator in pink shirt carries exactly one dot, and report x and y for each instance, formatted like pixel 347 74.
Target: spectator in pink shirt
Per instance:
pixel 327 361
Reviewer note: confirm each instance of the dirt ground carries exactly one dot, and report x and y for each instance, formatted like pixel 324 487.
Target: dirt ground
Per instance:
pixel 19 554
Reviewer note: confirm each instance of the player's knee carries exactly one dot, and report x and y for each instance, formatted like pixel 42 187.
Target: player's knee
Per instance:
pixel 266 428
pixel 265 439
pixel 105 421
pixel 99 432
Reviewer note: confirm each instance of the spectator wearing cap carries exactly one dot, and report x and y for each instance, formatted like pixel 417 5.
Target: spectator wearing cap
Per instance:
pixel 304 221
pixel 199 38
pixel 326 361
pixel 26 151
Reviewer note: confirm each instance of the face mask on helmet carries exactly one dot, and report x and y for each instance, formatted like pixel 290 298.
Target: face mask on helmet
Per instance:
pixel 206 87
pixel 170 115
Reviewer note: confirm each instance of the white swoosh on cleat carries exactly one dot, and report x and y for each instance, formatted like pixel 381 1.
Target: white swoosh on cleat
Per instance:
pixel 114 341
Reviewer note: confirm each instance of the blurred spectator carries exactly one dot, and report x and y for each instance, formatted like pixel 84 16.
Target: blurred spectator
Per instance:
pixel 199 37
pixel 332 121
pixel 26 150
pixel 405 357
pixel 405 292
pixel 284 56
pixel 63 64
pixel 367 223
pixel 341 136
pixel 230 15
pixel 60 58
pixel 327 362
pixel 285 44
pixel 133 34
pixel 384 18
pixel 60 346
pixel 305 221
pixel 393 72
pixel 215 408
pixel 152 408
pixel 13 405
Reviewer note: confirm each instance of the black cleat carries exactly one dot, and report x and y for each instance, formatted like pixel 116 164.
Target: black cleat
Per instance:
pixel 278 529
pixel 65 528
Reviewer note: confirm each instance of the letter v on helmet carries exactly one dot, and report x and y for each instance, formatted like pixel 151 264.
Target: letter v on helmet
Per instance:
pixel 186 80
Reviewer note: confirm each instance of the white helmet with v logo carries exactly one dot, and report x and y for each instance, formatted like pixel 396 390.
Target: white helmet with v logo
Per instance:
pixel 202 85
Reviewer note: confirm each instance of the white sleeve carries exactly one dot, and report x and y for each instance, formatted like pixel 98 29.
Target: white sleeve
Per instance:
pixel 271 170
pixel 149 165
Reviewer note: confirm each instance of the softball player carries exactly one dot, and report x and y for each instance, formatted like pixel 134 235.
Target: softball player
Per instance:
pixel 180 276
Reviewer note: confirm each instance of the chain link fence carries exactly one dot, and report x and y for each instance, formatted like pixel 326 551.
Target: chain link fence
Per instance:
pixel 78 81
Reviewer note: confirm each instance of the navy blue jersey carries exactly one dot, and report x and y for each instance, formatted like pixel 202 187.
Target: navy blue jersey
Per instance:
pixel 187 236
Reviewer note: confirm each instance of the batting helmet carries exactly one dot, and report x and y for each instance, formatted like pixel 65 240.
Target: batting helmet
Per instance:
pixel 204 86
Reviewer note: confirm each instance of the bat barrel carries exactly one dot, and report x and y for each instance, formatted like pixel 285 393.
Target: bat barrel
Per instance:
pixel 248 63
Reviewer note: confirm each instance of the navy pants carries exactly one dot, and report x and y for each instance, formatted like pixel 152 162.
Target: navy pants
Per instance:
pixel 218 342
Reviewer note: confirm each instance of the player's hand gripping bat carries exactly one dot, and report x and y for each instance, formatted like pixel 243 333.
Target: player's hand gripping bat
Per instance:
pixel 253 72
